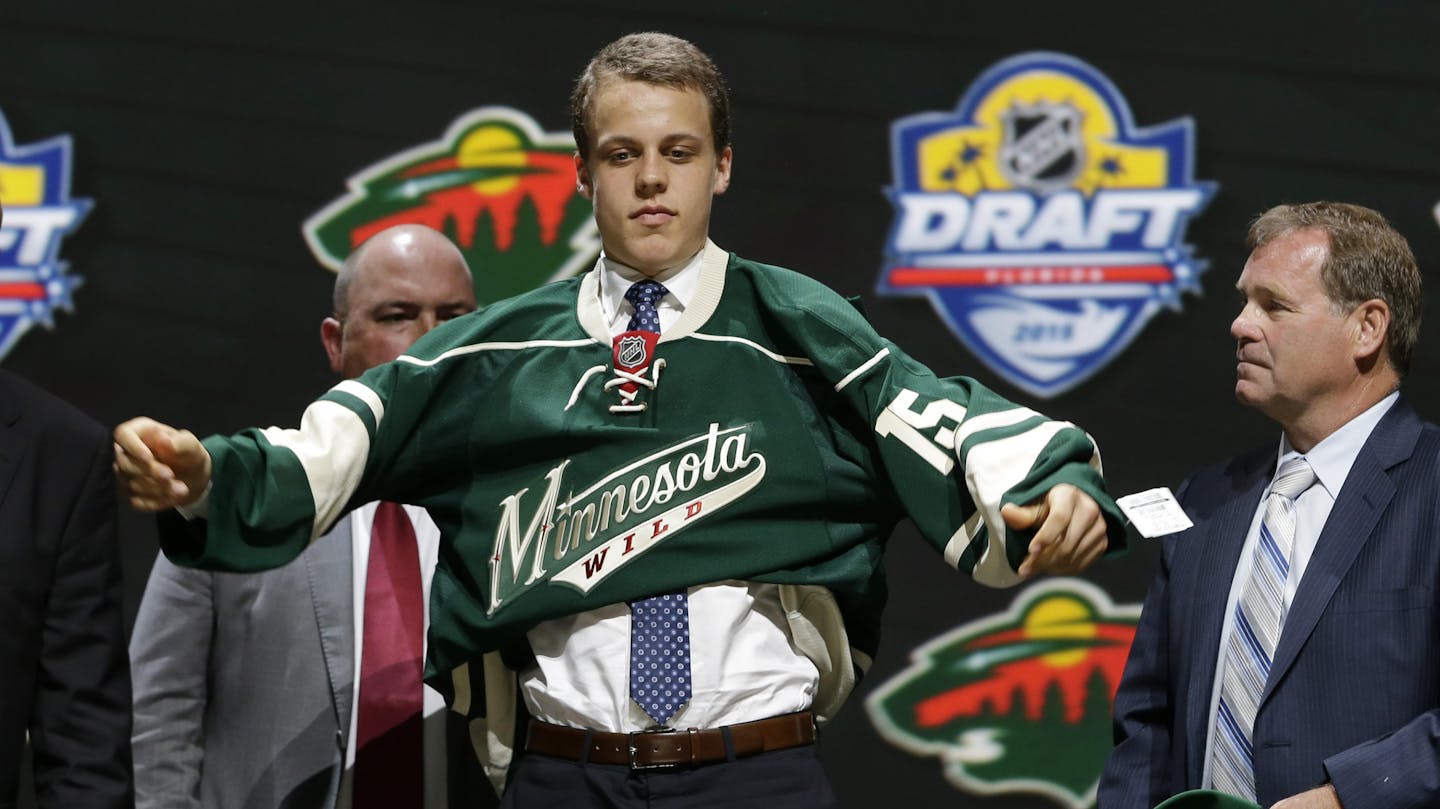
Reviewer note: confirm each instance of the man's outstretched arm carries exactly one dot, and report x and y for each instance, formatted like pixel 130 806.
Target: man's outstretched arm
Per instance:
pixel 158 466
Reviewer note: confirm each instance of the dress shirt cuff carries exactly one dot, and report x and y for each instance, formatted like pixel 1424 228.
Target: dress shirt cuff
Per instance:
pixel 198 510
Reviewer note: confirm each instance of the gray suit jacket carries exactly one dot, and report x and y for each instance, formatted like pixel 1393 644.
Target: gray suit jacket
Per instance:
pixel 243 683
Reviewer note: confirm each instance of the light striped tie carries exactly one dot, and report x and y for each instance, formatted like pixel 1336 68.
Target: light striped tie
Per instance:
pixel 1259 616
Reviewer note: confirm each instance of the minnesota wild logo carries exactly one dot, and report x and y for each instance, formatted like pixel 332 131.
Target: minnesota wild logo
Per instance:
pixel 496 184
pixel 1020 701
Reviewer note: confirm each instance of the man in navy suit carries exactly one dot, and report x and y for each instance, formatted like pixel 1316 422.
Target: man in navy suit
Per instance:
pixel 1346 710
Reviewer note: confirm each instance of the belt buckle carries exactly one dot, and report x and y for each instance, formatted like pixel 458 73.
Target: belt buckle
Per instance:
pixel 635 765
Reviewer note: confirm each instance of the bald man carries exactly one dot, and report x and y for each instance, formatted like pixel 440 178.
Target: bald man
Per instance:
pixel 248 687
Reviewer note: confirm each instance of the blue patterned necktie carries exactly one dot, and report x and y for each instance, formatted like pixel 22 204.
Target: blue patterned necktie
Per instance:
pixel 660 625
pixel 1259 617
pixel 643 295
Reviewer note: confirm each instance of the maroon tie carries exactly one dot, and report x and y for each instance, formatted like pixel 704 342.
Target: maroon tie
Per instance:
pixel 389 768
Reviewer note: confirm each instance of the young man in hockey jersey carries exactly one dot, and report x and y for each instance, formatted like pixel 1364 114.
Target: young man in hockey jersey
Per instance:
pixel 590 473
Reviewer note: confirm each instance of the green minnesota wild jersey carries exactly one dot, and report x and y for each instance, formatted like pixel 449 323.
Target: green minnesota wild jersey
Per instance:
pixel 771 435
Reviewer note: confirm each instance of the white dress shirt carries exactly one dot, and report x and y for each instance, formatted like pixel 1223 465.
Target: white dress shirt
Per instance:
pixel 743 666
pixel 427 538
pixel 1331 459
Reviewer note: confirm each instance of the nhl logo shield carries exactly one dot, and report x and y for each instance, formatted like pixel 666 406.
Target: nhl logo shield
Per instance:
pixel 631 351
pixel 1042 148
pixel 1044 226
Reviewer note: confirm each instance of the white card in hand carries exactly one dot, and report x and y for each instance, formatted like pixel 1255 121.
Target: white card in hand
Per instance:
pixel 1154 512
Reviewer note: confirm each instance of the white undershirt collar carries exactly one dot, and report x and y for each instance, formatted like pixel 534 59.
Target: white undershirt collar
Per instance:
pixel 680 281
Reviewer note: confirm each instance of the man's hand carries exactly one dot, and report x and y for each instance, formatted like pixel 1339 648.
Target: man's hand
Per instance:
pixel 1071 531
pixel 1321 797
pixel 158 466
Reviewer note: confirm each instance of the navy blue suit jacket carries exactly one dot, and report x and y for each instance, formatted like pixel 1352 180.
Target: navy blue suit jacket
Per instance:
pixel 1354 691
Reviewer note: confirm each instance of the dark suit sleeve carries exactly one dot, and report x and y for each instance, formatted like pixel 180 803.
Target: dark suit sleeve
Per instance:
pixel 1137 773
pixel 80 725
pixel 170 663
pixel 1399 770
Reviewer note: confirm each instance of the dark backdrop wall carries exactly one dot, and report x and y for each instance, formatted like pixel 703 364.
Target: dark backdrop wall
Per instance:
pixel 205 136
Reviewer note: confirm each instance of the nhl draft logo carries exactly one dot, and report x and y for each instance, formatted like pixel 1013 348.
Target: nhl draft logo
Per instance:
pixel 38 213
pixel 500 187
pixel 1044 226
pixel 1019 701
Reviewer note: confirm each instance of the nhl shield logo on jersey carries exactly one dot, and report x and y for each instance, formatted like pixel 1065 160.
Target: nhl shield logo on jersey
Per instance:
pixel 1043 225
pixel 630 351
pixel 1019 701
pixel 38 213
pixel 498 185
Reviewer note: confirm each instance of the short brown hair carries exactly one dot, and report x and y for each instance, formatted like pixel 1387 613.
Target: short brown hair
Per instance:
pixel 1367 259
pixel 653 58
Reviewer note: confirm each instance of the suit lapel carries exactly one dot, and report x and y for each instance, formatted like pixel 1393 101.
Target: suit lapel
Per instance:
pixel 1223 534
pixel 329 567
pixel 1367 491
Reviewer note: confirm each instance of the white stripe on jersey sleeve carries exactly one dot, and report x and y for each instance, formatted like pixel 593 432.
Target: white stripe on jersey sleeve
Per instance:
pixel 332 445
pixel 993 468
pixel 864 367
pixel 364 394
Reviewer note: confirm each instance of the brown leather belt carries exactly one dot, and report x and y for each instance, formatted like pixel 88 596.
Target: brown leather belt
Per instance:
pixel 679 748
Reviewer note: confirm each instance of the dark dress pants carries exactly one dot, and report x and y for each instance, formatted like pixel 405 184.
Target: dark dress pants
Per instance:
pixel 790 778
